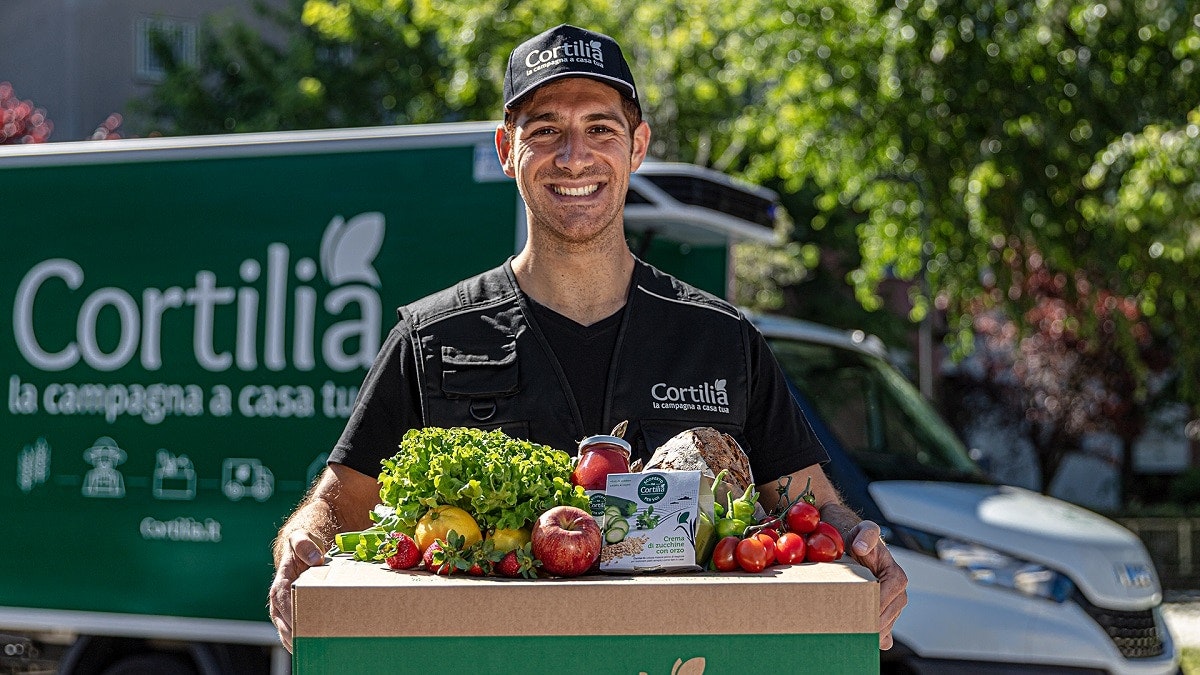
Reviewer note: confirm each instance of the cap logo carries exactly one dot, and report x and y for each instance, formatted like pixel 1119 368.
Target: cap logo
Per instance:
pixel 578 51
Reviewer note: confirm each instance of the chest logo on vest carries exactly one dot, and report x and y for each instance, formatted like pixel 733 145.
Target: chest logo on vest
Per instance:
pixel 706 396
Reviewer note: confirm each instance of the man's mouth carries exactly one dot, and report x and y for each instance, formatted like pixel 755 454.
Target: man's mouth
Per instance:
pixel 581 191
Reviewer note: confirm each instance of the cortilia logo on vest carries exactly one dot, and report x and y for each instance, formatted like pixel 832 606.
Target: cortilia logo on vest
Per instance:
pixel 707 396
pixel 571 52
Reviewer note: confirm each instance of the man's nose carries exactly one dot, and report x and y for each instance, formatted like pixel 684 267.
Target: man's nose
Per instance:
pixel 574 154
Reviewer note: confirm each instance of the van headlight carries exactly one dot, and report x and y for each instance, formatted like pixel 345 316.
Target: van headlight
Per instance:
pixel 993 568
pixel 988 566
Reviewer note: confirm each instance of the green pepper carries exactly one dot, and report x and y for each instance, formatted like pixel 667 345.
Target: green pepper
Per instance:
pixel 731 527
pixel 742 508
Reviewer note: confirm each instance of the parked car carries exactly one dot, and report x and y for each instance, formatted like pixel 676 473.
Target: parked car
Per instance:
pixel 1001 579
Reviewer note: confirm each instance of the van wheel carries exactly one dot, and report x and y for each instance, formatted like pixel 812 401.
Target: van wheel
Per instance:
pixel 152 664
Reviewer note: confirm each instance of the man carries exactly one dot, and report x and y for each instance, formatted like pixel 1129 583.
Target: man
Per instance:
pixel 573 334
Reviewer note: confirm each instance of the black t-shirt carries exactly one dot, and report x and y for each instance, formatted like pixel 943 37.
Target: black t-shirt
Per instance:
pixel 585 354
pixel 779 439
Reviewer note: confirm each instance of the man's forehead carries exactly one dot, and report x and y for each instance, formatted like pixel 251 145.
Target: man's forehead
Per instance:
pixel 571 94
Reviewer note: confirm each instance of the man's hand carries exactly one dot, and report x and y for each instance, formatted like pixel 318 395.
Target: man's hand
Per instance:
pixel 862 538
pixel 339 502
pixel 868 549
pixel 299 553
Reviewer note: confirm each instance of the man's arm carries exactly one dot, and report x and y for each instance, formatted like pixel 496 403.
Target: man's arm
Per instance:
pixel 862 538
pixel 340 502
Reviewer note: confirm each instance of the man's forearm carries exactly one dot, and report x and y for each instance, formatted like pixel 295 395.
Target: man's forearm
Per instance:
pixel 316 517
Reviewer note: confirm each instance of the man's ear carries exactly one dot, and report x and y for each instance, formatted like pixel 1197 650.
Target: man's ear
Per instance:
pixel 641 145
pixel 504 151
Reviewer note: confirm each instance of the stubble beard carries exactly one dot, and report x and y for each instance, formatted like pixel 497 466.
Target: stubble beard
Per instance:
pixel 576 232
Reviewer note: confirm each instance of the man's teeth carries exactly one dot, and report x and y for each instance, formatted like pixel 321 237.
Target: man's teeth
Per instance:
pixel 578 191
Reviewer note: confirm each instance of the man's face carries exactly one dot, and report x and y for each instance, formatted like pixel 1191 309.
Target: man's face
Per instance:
pixel 572 152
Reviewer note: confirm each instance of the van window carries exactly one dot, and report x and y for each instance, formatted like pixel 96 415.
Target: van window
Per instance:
pixel 877 416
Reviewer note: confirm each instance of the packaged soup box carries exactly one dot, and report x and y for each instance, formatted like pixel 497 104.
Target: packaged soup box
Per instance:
pixel 657 521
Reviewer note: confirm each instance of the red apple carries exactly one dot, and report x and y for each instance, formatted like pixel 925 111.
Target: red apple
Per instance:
pixel 567 541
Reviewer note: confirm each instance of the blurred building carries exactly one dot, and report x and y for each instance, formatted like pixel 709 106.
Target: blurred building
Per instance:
pixel 82 60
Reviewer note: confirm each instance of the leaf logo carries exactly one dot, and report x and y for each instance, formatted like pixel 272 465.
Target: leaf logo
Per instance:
pixel 348 248
pixel 719 385
pixel 693 666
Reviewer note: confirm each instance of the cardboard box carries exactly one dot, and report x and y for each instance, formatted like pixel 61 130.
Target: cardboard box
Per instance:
pixel 364 618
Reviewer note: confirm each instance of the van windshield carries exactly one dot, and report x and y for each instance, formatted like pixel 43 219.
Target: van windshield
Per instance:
pixel 880 419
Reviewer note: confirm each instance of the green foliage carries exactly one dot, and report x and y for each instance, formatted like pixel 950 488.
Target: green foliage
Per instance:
pixel 1189 660
pixel 501 481
pixel 957 140
pixel 338 68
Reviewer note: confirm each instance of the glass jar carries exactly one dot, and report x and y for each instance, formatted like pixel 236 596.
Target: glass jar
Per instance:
pixel 598 457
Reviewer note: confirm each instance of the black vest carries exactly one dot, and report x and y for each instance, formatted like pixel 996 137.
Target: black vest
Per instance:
pixel 681 361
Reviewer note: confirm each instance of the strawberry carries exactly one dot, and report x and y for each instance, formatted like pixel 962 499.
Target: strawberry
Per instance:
pixel 509 566
pixel 400 551
pixel 452 554
pixel 435 558
pixel 518 562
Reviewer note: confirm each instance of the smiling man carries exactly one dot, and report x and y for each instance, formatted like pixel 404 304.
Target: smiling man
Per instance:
pixel 573 334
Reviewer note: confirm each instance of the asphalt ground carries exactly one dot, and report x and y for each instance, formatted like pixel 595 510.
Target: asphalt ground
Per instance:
pixel 1181 610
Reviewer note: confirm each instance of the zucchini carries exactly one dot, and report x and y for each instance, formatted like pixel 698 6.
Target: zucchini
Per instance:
pixel 626 507
pixel 617 523
pixel 615 535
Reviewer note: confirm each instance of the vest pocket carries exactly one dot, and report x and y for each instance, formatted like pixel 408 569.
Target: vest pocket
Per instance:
pixel 478 371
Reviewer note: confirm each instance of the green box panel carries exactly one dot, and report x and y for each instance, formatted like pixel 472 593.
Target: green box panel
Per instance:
pixel 826 654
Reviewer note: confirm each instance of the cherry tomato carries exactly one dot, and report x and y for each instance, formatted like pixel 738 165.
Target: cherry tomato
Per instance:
pixel 770 532
pixel 802 517
pixel 769 544
pixel 752 554
pixel 723 554
pixel 789 549
pixel 832 533
pixel 821 548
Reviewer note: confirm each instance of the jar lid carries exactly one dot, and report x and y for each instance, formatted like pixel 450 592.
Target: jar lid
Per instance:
pixel 610 440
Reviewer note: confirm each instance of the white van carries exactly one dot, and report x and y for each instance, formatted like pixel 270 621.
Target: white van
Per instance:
pixel 1001 579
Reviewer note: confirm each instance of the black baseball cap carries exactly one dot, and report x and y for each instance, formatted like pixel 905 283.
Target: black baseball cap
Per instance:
pixel 567 51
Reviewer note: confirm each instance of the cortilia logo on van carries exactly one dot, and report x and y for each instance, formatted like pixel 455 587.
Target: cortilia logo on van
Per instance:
pixel 216 308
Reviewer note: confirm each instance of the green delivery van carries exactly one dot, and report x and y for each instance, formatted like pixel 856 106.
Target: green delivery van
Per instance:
pixel 187 321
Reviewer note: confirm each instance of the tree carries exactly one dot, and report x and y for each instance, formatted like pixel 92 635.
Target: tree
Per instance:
pixel 21 121
pixel 976 141
pixel 975 144
pixel 356 70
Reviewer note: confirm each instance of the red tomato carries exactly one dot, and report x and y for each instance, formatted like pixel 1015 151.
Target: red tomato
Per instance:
pixel 752 555
pixel 802 517
pixel 789 549
pixel 769 544
pixel 832 533
pixel 723 554
pixel 770 532
pixel 821 548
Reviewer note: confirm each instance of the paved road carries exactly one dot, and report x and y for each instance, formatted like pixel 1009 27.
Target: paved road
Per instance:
pixel 1182 613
